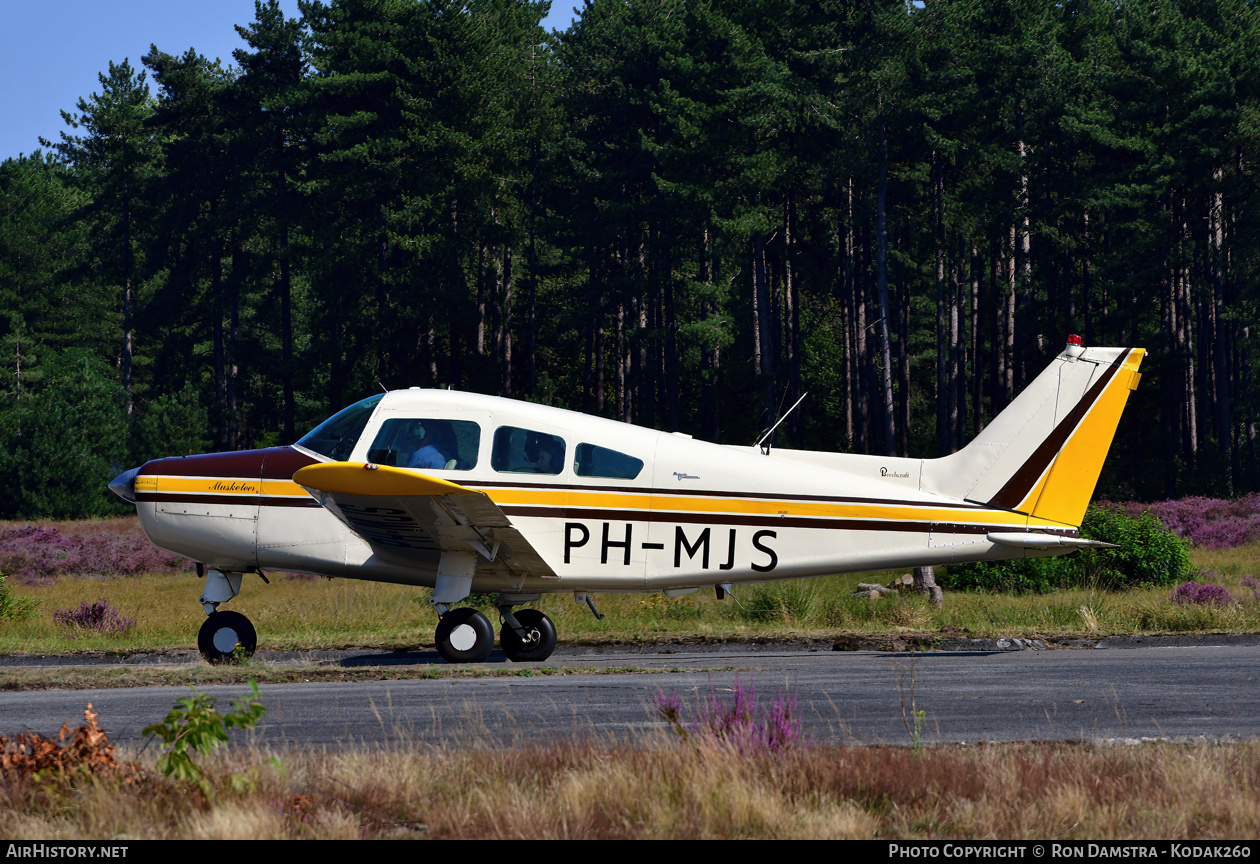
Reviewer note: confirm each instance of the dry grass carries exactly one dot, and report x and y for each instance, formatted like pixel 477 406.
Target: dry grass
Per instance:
pixel 660 790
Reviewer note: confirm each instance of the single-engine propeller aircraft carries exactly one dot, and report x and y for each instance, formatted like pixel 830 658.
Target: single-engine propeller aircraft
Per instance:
pixel 462 492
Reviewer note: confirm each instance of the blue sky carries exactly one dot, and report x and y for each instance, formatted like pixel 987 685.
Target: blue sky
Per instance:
pixel 52 51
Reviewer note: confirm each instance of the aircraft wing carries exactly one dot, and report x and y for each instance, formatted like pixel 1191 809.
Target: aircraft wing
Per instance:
pixel 406 516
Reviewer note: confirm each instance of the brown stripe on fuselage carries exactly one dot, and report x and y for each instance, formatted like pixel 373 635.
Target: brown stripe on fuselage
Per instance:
pixel 1012 494
pixel 281 463
pixel 272 463
pixel 242 499
pixel 772 521
pixel 685 492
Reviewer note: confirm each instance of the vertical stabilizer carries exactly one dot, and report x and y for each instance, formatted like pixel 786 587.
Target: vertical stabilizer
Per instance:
pixel 1043 454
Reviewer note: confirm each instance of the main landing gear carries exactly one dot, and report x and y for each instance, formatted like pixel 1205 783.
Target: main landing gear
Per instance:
pixel 465 635
pixel 531 639
pixel 225 637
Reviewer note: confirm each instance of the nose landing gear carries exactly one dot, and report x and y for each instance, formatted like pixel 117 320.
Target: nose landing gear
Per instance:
pixel 227 637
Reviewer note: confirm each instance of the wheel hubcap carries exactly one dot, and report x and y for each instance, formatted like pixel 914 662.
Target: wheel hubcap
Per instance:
pixel 225 640
pixel 463 637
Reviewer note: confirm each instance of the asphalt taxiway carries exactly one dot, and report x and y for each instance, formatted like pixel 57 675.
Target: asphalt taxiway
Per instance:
pixel 970 692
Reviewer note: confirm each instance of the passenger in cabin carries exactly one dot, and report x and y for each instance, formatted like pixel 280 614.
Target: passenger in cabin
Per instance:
pixel 550 457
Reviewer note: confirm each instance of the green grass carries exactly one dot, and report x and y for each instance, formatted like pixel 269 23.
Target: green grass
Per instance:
pixel 292 614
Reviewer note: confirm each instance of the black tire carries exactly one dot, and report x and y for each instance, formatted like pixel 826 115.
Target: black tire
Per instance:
pixel 227 637
pixel 464 636
pixel 540 638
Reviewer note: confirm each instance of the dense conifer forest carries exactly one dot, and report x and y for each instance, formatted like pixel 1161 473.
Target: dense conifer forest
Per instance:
pixel 678 213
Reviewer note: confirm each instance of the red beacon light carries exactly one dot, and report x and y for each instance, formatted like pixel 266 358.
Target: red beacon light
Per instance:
pixel 1073 339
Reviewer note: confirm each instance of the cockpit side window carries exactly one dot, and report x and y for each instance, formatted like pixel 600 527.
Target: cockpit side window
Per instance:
pixel 426 442
pixel 337 435
pixel 590 460
pixel 524 451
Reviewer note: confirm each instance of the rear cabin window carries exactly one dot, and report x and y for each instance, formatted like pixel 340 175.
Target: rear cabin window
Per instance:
pixel 337 435
pixel 524 451
pixel 427 442
pixel 590 460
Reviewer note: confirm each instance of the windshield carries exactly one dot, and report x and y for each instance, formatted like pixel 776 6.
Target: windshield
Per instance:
pixel 337 435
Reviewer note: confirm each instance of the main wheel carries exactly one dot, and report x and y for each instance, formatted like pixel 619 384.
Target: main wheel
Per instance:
pixel 539 640
pixel 464 636
pixel 227 637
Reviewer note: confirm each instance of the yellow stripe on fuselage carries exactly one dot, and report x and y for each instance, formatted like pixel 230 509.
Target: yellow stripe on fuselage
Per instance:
pixel 242 486
pixel 630 501
pixel 925 513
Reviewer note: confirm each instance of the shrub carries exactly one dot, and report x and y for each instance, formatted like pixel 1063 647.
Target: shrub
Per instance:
pixel 788 600
pixel 1251 583
pixel 36 555
pixel 30 753
pixel 1201 594
pixel 98 616
pixel 741 723
pixel 195 725
pixel 14 608
pixel 1147 553
pixel 1209 523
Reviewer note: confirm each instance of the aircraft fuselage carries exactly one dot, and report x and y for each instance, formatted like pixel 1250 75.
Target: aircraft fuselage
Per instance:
pixel 697 514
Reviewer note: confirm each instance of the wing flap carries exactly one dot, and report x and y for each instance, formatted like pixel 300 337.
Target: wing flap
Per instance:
pixel 407 516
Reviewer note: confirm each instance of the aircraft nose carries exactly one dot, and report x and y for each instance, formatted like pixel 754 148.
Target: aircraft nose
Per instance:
pixel 124 485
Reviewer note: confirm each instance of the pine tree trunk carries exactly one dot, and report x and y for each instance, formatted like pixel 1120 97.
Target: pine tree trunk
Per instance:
pixel 943 389
pixel 792 293
pixel 889 436
pixel 220 365
pixel 1220 338
pixel 765 346
pixel 126 357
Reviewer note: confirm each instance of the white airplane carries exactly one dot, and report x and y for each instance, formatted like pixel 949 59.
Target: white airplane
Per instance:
pixel 462 492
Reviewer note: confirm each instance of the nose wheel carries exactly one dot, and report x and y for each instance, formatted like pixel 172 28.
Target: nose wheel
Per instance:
pixel 464 636
pixel 227 637
pixel 534 641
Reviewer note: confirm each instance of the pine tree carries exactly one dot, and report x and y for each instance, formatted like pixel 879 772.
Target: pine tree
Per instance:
pixel 113 158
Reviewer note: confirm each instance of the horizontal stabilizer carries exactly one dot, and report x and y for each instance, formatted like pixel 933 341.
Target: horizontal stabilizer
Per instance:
pixel 1046 541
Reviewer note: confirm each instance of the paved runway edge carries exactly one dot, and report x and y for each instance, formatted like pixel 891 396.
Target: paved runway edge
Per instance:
pixel 361 655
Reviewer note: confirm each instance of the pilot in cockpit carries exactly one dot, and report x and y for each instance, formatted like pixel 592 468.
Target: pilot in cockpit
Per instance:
pixel 427 441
